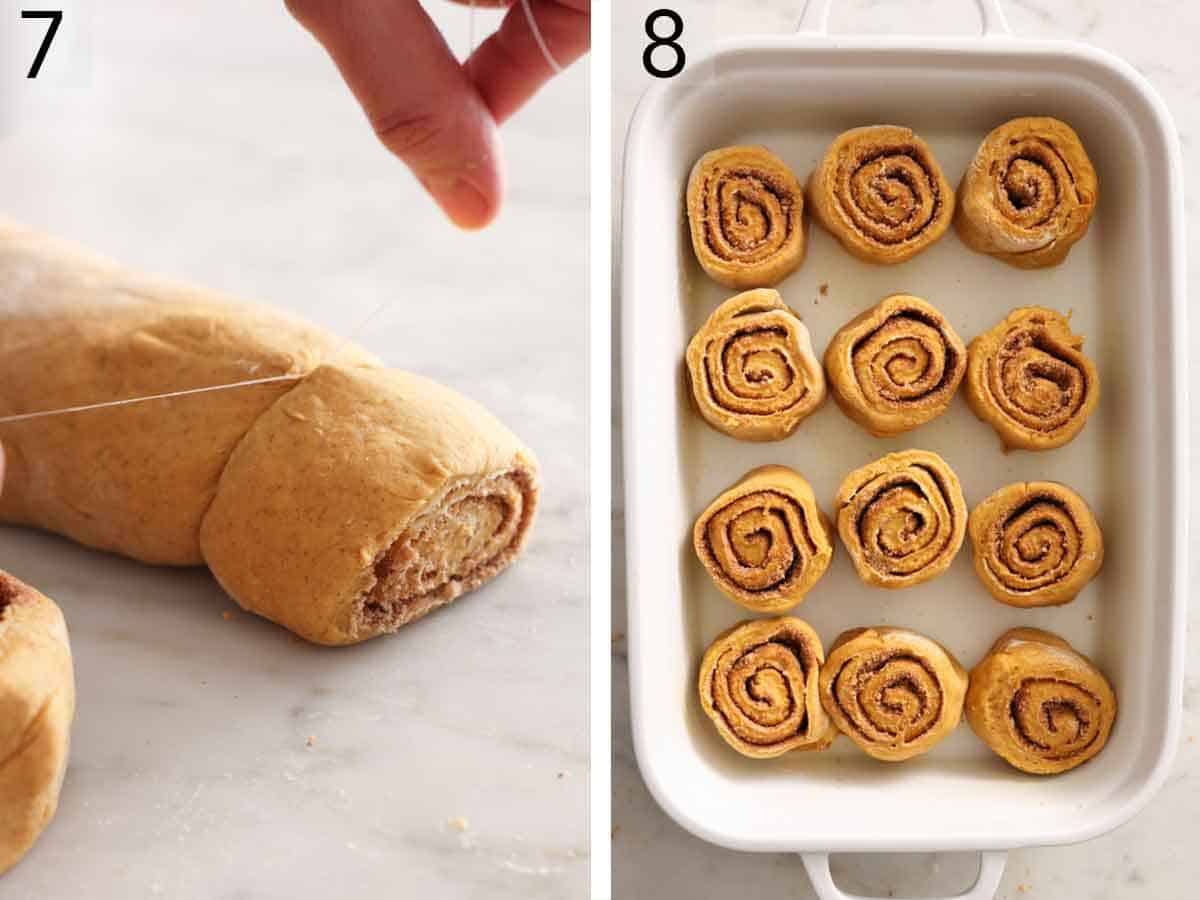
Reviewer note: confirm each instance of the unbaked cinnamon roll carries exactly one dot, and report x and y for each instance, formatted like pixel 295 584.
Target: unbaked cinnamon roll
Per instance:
pixel 1039 704
pixel 745 209
pixel 895 366
pixel 1029 379
pixel 892 691
pixel 902 518
pixel 752 369
pixel 758 685
pixel 765 542
pixel 880 192
pixel 1028 195
pixel 1036 543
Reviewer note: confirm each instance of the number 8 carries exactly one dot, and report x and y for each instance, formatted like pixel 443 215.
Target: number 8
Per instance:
pixel 667 40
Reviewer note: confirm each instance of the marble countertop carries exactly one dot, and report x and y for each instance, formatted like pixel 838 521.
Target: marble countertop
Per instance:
pixel 1150 857
pixel 449 760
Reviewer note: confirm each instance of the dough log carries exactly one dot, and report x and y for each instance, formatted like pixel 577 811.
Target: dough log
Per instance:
pixel 342 503
pixel 37 704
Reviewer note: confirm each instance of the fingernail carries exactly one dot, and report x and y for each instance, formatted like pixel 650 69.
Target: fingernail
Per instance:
pixel 464 203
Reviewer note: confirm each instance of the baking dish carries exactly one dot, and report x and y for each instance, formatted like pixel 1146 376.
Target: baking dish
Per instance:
pixel 1124 284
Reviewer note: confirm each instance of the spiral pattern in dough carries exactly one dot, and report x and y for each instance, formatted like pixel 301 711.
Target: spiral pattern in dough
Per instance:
pixel 895 366
pixel 758 685
pixel 1039 704
pixel 902 518
pixel 745 211
pixel 1029 194
pixel 893 692
pixel 880 192
pixel 1036 543
pixel 752 369
pixel 1029 379
pixel 765 542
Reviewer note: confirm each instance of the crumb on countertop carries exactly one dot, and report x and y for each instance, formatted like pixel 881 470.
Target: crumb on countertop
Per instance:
pixel 823 289
pixel 226 615
pixel 458 823
pixel 311 741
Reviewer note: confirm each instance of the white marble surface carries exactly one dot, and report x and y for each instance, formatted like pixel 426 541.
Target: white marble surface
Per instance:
pixel 215 141
pixel 1150 857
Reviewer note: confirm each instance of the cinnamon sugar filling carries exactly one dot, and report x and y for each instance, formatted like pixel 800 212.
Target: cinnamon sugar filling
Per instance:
pixel 473 533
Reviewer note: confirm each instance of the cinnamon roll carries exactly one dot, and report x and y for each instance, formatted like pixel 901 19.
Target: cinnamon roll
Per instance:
pixel 752 369
pixel 895 366
pixel 892 691
pixel 758 685
pixel 1036 543
pixel 1029 379
pixel 902 518
pixel 1039 704
pixel 880 192
pixel 765 542
pixel 745 210
pixel 1028 195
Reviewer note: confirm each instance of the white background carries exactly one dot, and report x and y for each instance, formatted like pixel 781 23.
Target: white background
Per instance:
pixel 1149 857
pixel 215 142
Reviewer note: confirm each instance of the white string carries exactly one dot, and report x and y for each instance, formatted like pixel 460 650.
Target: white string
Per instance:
pixel 109 403
pixel 46 413
pixel 537 36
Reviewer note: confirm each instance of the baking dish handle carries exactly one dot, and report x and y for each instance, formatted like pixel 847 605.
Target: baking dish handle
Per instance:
pixel 815 18
pixel 991 869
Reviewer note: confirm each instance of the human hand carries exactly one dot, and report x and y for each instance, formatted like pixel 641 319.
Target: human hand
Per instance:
pixel 438 116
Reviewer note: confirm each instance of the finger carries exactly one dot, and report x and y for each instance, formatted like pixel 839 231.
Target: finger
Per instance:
pixel 417 97
pixel 509 67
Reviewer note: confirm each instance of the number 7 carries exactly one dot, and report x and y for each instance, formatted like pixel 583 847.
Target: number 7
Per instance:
pixel 55 16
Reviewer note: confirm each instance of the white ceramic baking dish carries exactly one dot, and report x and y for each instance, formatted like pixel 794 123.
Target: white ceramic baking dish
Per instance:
pixel 1125 284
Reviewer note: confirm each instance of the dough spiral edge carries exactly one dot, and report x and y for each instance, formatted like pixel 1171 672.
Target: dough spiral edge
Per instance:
pixel 895 366
pixel 745 214
pixel 1036 544
pixel 752 369
pixel 758 685
pixel 902 518
pixel 894 692
pixel 764 541
pixel 880 191
pixel 1039 704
